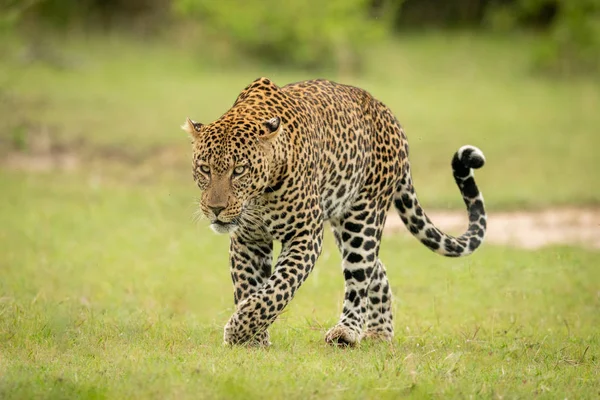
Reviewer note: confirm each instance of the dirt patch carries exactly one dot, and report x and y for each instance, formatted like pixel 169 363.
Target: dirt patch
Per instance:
pixel 524 229
pixel 37 148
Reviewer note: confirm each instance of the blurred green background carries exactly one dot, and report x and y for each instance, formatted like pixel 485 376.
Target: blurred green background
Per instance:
pixel 107 83
pixel 110 289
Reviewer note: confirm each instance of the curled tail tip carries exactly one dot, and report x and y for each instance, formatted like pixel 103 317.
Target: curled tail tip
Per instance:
pixel 471 156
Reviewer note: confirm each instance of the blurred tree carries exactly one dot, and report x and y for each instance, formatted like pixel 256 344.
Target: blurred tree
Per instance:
pixel 11 12
pixel 573 43
pixel 103 14
pixel 332 33
pixel 310 33
pixel 570 31
pixel 450 13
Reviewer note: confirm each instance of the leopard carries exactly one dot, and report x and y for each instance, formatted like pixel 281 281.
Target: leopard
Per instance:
pixel 284 160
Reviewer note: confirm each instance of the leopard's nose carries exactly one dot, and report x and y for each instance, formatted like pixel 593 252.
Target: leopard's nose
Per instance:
pixel 216 210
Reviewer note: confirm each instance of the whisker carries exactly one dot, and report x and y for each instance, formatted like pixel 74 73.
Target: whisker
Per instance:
pixel 252 220
pixel 197 214
pixel 255 221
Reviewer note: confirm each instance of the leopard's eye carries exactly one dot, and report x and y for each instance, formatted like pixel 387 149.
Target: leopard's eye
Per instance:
pixel 239 170
pixel 205 169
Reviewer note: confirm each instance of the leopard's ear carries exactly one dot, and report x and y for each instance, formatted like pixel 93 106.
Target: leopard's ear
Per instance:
pixel 273 127
pixel 192 127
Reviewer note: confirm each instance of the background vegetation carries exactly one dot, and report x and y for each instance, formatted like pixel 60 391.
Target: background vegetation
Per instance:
pixel 109 289
pixel 293 33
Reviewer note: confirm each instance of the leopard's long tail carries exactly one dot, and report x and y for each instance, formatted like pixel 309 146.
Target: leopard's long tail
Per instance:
pixel 465 160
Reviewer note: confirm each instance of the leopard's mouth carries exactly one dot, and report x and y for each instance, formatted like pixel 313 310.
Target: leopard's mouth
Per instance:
pixel 222 227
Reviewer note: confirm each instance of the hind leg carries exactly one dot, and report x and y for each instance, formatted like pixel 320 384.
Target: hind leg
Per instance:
pixel 379 317
pixel 379 309
pixel 358 234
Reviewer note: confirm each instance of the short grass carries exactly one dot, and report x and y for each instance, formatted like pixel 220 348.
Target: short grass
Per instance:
pixel 110 291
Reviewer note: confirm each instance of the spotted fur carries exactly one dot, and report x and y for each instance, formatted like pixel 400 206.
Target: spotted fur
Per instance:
pixel 282 161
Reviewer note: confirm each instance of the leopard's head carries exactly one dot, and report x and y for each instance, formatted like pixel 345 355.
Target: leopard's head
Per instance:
pixel 232 162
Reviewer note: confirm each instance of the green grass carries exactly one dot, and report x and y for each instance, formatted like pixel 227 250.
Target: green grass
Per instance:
pixel 108 289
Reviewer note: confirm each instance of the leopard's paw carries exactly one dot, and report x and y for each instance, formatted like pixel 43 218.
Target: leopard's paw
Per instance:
pixel 343 336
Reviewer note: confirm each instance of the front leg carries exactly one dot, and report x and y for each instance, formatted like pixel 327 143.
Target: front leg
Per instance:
pixel 250 266
pixel 258 311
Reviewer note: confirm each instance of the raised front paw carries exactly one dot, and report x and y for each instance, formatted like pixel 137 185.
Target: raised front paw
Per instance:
pixel 341 335
pixel 236 334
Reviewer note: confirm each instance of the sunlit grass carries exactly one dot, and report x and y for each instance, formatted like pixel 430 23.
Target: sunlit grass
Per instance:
pixel 111 291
